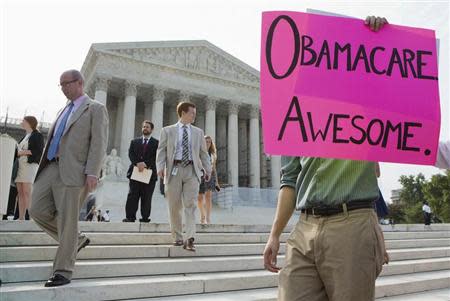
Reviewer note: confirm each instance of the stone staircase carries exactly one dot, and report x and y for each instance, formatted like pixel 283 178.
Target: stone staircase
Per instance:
pixel 136 261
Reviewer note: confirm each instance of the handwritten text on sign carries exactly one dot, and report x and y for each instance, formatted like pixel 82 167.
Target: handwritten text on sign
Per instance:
pixel 332 88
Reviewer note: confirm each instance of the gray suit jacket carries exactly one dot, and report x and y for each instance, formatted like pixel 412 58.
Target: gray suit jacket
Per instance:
pixel 167 149
pixel 83 144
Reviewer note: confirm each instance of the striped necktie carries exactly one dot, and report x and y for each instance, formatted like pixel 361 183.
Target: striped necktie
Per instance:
pixel 185 145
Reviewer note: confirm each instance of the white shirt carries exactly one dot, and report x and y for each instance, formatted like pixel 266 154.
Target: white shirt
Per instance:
pixel 443 156
pixel 143 139
pixel 426 208
pixel 179 150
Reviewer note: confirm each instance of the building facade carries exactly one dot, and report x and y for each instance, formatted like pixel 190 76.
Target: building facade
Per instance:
pixel 146 80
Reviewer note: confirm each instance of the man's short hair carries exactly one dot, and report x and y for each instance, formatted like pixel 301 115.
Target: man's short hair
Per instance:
pixel 152 126
pixel 184 107
pixel 76 75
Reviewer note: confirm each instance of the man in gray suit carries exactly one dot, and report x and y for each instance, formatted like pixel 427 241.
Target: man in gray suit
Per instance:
pixel 68 170
pixel 181 160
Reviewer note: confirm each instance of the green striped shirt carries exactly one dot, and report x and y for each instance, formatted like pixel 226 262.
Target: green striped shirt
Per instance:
pixel 319 181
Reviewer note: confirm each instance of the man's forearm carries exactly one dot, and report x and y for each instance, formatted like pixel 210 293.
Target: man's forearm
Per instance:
pixel 285 208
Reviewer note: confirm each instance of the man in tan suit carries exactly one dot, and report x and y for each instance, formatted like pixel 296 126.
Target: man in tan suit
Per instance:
pixel 68 170
pixel 181 159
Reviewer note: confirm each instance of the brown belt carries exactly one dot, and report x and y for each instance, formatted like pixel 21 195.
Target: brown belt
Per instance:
pixel 176 162
pixel 332 210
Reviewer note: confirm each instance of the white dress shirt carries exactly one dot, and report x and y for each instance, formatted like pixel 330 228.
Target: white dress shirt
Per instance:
pixel 443 156
pixel 426 208
pixel 179 150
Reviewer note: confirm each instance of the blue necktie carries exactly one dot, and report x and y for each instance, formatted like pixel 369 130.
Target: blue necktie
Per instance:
pixel 54 144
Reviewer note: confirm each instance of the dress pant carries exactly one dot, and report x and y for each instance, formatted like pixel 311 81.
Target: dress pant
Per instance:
pixel 182 191
pixel 335 258
pixel 139 191
pixel 55 207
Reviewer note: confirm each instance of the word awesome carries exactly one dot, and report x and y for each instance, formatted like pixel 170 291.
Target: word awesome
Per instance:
pixel 377 132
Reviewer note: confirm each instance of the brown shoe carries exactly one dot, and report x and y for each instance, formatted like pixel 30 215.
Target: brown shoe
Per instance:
pixel 189 245
pixel 178 243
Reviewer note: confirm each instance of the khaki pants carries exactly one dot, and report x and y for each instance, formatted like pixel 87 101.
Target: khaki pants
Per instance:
pixel 335 258
pixel 55 207
pixel 182 191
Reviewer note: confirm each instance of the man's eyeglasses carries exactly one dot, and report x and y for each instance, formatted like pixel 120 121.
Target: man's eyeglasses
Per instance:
pixel 64 84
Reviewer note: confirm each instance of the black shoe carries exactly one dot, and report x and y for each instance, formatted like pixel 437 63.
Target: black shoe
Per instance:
pixel 84 244
pixel 145 220
pixel 189 245
pixel 57 280
pixel 127 220
pixel 178 243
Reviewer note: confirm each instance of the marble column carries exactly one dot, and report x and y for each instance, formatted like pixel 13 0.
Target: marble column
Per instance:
pixel 118 124
pixel 210 117
pixel 128 121
pixel 275 166
pixel 101 89
pixel 221 145
pixel 158 110
pixel 233 150
pixel 254 148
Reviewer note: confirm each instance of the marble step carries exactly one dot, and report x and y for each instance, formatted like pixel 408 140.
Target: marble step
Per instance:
pixel 42 253
pixel 31 226
pixel 433 295
pixel 125 288
pixel 40 238
pixel 270 294
pixel 35 271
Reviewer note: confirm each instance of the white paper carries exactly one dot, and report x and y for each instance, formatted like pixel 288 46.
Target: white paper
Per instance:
pixel 143 176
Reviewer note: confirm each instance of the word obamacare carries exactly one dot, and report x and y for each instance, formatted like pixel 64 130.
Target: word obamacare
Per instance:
pixel 408 62
pixel 377 132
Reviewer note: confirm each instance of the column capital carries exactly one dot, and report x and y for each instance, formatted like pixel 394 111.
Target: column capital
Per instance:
pixel 159 93
pixel 254 112
pixel 233 108
pixel 184 96
pixel 211 103
pixel 131 88
pixel 102 82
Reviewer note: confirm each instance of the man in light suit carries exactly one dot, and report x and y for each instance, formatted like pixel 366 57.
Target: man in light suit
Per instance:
pixel 181 157
pixel 68 170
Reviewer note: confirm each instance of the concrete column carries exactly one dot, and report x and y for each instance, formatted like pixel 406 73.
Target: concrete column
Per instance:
pixel 275 166
pixel 101 89
pixel 210 117
pixel 128 121
pixel 254 148
pixel 233 150
pixel 158 110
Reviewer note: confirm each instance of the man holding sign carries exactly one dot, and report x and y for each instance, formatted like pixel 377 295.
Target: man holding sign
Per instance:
pixel 336 251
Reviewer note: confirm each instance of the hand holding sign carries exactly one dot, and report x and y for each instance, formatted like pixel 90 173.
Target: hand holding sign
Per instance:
pixel 340 90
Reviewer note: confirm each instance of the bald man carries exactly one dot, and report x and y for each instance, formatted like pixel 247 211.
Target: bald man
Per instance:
pixel 68 170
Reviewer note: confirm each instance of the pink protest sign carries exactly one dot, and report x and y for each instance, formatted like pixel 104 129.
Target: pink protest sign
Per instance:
pixel 332 88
